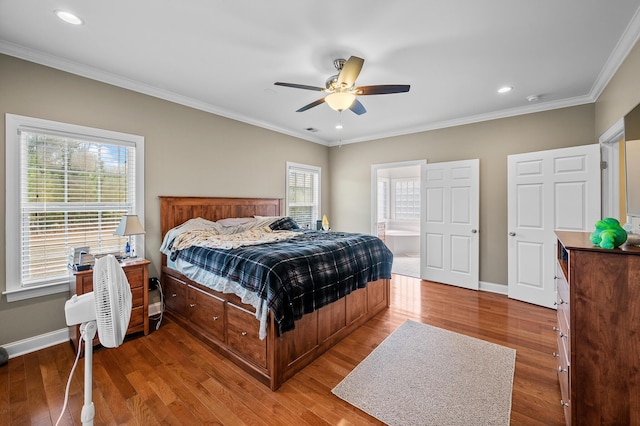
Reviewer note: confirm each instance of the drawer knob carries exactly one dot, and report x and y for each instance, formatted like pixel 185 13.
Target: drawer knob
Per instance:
pixel 215 318
pixel 192 305
pixel 174 295
pixel 244 333
pixel 556 355
pixel 563 403
pixel 561 369
pixel 555 328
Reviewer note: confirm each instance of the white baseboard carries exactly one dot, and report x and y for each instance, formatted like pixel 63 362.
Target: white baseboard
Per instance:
pixel 32 344
pixel 494 288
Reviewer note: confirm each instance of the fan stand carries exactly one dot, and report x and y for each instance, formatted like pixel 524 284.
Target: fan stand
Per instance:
pixel 88 332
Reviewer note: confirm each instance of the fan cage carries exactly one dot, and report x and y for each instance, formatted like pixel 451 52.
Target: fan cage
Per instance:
pixel 113 301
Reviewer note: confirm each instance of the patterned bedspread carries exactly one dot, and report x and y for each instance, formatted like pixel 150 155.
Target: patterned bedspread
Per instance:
pixel 301 274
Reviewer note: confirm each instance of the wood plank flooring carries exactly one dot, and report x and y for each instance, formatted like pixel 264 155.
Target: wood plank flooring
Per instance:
pixel 169 377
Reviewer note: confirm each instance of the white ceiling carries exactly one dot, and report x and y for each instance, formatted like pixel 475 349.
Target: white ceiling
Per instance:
pixel 223 56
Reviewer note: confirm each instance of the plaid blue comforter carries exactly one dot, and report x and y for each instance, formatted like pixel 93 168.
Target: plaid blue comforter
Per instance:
pixel 299 275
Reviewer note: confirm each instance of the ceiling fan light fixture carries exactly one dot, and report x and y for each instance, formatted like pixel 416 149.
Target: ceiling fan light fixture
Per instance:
pixel 340 101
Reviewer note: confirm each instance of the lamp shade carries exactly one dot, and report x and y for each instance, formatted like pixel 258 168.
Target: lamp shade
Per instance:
pixel 129 225
pixel 340 101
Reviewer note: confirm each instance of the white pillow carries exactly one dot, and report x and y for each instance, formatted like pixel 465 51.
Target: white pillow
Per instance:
pixel 235 221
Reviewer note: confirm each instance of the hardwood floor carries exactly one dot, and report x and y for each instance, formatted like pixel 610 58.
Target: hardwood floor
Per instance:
pixel 169 377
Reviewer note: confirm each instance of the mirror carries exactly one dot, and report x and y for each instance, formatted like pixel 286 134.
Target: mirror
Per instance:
pixel 632 160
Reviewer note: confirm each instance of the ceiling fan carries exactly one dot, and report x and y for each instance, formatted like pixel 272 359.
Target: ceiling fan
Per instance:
pixel 340 88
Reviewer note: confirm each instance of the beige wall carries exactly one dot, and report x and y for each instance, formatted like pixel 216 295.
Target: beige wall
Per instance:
pixel 187 152
pixel 490 141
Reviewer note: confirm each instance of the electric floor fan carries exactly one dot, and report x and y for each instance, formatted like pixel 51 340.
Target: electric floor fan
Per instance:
pixel 107 310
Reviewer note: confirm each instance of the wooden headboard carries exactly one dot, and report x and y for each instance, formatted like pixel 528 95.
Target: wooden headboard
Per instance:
pixel 177 210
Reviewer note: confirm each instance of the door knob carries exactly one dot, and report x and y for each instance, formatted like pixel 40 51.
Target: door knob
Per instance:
pixel 512 234
pixel 474 231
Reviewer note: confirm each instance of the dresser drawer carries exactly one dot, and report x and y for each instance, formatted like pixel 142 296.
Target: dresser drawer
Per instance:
pixel 137 297
pixel 564 310
pixel 137 319
pixel 564 377
pixel 562 294
pixel 206 312
pixel 243 334
pixel 85 284
pixel 134 276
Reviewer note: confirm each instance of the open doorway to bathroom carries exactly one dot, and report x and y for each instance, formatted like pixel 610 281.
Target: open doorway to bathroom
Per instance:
pixel 396 212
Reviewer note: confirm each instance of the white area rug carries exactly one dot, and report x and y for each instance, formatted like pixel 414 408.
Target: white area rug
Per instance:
pixel 424 375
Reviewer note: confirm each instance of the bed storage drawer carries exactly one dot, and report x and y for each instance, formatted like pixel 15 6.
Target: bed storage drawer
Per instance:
pixel 206 311
pixel 356 304
pixel 175 294
pixel 243 334
pixel 276 358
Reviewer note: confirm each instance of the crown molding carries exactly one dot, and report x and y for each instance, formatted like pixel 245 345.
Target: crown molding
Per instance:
pixel 629 38
pixel 92 73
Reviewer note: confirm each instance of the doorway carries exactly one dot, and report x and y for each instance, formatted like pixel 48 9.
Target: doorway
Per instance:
pixel 396 204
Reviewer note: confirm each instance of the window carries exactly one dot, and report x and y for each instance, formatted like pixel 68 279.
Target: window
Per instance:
pixel 383 199
pixel 407 199
pixel 67 186
pixel 303 194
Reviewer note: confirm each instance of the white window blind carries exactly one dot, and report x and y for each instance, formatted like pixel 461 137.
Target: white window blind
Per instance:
pixel 72 190
pixel 303 194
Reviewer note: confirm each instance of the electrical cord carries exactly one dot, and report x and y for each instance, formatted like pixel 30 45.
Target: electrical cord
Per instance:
pixel 73 369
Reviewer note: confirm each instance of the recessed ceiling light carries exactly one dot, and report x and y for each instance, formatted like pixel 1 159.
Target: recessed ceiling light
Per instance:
pixel 68 17
pixel 533 98
pixel 505 89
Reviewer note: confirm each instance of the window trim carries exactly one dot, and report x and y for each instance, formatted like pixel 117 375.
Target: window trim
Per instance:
pixel 312 169
pixel 14 290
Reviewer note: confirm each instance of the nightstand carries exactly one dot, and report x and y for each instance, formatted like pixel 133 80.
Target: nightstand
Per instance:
pixel 137 272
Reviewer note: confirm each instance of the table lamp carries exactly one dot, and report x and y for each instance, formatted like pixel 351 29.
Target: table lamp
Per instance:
pixel 129 225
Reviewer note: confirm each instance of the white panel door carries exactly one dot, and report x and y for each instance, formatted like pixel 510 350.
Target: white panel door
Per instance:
pixel 547 191
pixel 449 226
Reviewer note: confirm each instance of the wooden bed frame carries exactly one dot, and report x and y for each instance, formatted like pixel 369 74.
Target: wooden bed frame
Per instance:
pixel 229 326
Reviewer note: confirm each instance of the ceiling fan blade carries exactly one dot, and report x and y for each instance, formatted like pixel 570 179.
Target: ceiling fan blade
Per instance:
pixel 381 89
pixel 311 105
pixel 350 71
pixel 357 107
pixel 299 86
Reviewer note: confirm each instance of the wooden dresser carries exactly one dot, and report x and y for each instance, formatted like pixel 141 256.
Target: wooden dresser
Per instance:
pixel 598 300
pixel 137 272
